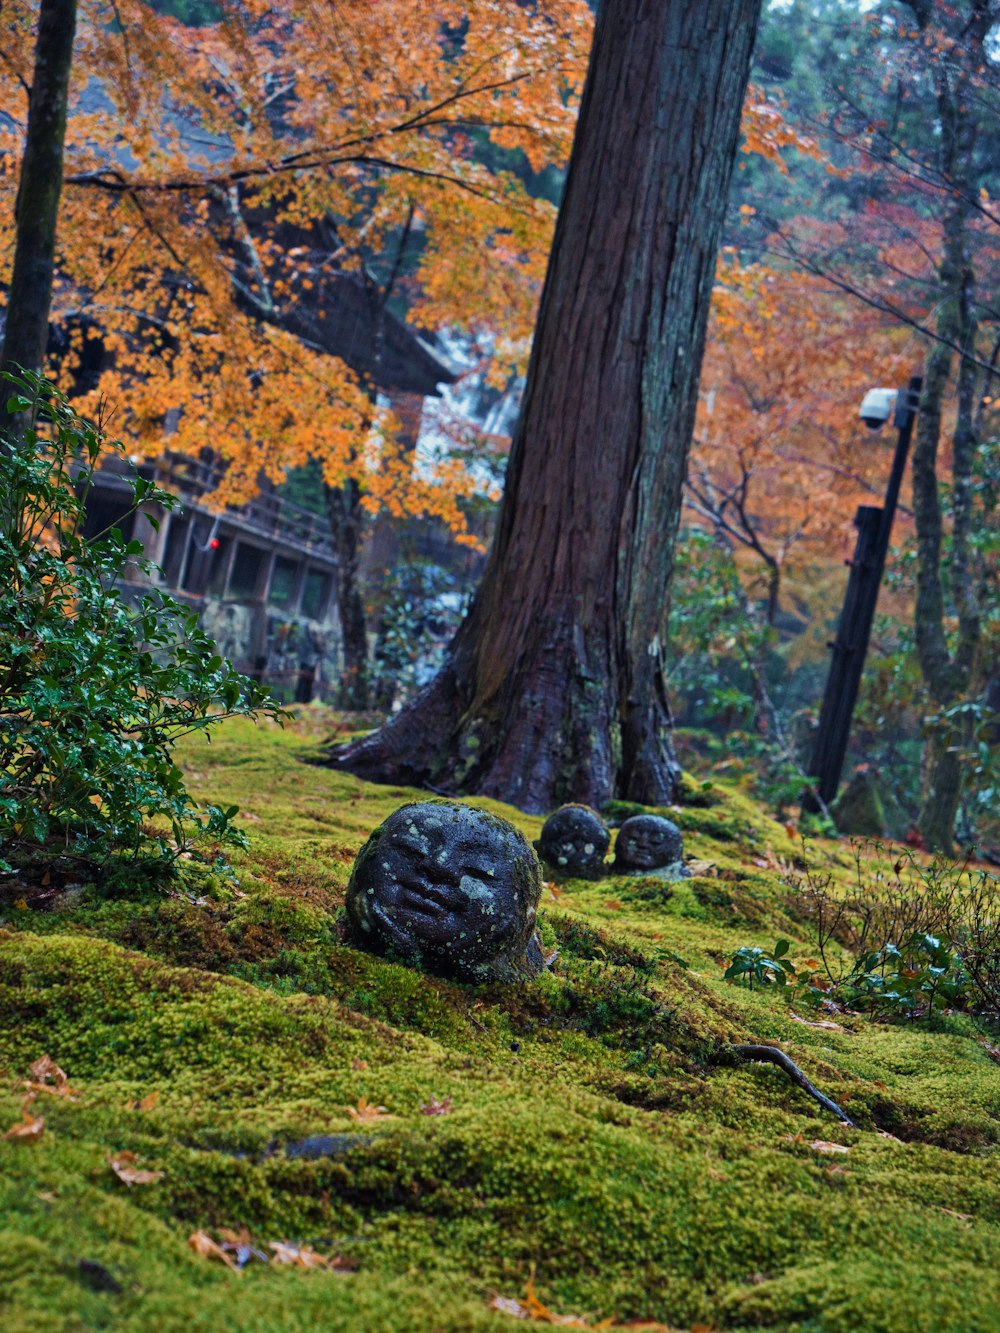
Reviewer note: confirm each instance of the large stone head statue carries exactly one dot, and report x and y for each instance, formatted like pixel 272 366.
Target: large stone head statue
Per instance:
pixel 450 889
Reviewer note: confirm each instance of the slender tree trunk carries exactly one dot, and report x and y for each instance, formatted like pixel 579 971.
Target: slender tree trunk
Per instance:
pixel 554 685
pixel 949 670
pixel 30 297
pixel 346 522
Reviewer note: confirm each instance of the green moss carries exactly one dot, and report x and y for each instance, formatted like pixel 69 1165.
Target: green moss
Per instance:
pixel 592 1134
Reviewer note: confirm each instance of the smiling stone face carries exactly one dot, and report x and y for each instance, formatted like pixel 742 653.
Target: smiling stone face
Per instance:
pixel 647 842
pixel 450 889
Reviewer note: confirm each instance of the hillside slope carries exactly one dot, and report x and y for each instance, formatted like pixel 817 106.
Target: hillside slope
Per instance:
pixel 587 1127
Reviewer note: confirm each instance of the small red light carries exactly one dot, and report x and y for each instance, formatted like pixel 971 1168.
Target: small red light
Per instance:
pixel 214 544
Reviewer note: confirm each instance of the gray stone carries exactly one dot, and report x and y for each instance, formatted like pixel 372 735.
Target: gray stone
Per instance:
pixel 574 841
pixel 448 889
pixel 647 842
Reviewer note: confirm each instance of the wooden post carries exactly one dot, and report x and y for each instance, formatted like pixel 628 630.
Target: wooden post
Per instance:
pixel 851 645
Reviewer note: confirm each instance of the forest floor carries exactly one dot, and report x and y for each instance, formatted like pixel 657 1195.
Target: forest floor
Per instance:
pixel 570 1150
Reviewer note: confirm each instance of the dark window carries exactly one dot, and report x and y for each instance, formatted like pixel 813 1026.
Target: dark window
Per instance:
pixel 283 582
pixel 244 578
pixel 173 558
pixel 108 509
pixel 315 593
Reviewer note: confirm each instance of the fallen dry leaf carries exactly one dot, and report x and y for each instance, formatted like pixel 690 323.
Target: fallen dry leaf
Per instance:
pixel 820 1023
pixel 435 1107
pixel 967 1218
pixel 45 1069
pixel 530 1307
pixel 556 894
pixel 28 1130
pixel 144 1103
pixel 704 869
pixel 821 1145
pixel 359 1064
pixel 992 1051
pixel 300 1256
pixel 203 1244
pixel 365 1111
pixel 884 1134
pixel 121 1164
pixel 46 1076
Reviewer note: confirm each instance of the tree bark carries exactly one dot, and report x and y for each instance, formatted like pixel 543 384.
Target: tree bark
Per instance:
pixel 36 211
pixel 343 505
pixel 949 668
pixel 553 689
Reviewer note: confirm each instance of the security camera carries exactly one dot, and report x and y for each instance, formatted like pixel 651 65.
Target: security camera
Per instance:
pixel 876 407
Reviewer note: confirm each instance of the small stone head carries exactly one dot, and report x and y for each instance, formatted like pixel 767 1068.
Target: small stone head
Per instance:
pixel 647 842
pixel 574 841
pixel 449 889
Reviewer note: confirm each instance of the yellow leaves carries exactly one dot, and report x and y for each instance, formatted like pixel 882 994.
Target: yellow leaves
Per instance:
pixel 365 1112
pixel 123 1166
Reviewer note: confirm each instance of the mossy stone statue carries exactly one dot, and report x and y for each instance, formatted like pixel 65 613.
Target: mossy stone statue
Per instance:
pixel 449 889
pixel 574 841
pixel 649 843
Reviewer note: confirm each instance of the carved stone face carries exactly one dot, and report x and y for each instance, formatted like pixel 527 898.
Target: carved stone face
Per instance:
pixel 450 889
pixel 647 842
pixel 574 841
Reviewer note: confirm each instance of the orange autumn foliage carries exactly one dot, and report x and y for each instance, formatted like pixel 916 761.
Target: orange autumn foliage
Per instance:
pixel 780 459
pixel 193 155
pixel 217 178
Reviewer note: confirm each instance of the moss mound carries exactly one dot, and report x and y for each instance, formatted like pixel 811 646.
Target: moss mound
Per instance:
pixel 448 1140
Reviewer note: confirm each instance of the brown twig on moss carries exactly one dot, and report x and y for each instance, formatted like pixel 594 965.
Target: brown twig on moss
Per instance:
pixel 773 1055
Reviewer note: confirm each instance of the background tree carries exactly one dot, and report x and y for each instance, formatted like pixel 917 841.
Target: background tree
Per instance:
pixel 36 208
pixel 553 686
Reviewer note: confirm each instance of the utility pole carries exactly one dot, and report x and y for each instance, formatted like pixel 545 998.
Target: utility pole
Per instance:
pixel 854 630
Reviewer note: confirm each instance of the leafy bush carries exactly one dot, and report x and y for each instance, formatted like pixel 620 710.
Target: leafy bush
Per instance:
pixel 752 964
pixel 94 691
pixel 725 671
pixel 912 937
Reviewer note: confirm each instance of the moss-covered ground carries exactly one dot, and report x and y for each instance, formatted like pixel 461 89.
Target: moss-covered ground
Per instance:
pixel 592 1133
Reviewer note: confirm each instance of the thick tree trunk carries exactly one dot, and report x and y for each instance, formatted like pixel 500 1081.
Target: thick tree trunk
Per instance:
pixel 554 685
pixel 30 297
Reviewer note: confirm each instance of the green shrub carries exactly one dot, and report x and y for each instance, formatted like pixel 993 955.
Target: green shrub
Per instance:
pixel 94 691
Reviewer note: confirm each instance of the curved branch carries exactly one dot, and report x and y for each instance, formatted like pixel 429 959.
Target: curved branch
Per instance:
pixel 775 1056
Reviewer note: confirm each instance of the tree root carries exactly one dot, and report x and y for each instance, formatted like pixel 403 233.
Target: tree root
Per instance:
pixel 772 1055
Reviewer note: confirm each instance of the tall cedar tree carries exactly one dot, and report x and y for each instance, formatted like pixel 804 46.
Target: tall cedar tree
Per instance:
pixel 553 688
pixel 27 317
